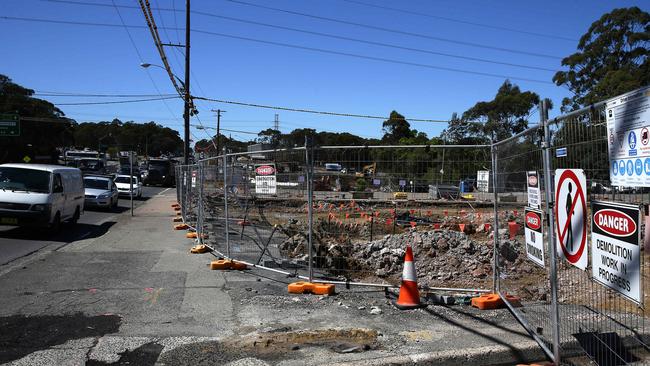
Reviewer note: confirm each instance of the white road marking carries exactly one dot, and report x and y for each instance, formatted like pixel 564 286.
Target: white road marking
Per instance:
pixel 163 191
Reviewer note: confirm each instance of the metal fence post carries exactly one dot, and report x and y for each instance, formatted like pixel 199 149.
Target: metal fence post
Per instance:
pixel 225 200
pixel 495 248
pixel 548 189
pixel 199 218
pixel 310 203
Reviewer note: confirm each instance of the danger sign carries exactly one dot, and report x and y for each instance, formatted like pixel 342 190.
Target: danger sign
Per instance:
pixel 534 236
pixel 265 180
pixel 571 216
pixel 615 250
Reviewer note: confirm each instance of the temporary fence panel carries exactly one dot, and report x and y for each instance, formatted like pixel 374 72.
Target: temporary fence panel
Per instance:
pixel 371 202
pixel 566 307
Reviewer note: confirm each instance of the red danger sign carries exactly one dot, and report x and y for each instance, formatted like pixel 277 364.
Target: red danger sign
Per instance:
pixel 615 222
pixel 533 221
pixel 570 213
pixel 265 170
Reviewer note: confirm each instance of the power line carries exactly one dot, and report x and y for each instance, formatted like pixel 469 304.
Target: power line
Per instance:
pixel 395 31
pixel 59 94
pixel 312 111
pixel 116 101
pixel 307 48
pixel 329 35
pixel 137 51
pixel 461 21
pixel 375 43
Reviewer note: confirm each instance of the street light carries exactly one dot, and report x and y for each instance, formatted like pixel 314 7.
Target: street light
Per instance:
pixel 146 65
pixel 188 108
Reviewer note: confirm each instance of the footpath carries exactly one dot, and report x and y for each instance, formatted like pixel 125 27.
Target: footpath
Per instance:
pixel 137 296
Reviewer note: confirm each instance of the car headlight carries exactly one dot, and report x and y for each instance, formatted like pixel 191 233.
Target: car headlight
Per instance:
pixel 40 207
pixel 163 177
pixel 104 195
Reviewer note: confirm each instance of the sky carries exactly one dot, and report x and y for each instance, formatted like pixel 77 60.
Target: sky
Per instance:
pixel 424 59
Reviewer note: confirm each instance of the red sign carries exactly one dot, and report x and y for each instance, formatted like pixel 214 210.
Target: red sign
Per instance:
pixel 532 180
pixel 568 182
pixel 615 222
pixel 265 170
pixel 533 221
pixel 644 136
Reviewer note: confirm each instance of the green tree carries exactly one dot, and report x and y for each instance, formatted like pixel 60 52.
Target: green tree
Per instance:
pixel 41 133
pixel 505 115
pixel 612 58
pixel 269 136
pixel 395 128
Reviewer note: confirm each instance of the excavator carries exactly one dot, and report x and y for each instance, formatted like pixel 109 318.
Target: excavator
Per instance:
pixel 367 170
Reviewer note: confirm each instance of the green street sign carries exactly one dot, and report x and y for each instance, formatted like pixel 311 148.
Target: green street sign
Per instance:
pixel 9 125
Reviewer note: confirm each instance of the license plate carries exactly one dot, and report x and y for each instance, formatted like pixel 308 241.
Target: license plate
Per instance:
pixel 9 221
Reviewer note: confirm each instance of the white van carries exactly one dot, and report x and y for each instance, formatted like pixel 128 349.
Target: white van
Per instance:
pixel 40 195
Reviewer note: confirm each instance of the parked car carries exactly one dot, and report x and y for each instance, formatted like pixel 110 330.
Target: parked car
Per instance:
pixel 40 195
pixel 123 183
pixel 100 191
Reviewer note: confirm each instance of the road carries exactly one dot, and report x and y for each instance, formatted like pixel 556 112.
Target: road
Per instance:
pixel 19 242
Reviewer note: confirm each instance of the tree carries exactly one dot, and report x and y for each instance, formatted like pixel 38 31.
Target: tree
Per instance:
pixel 505 115
pixel 269 136
pixel 395 128
pixel 612 58
pixel 41 134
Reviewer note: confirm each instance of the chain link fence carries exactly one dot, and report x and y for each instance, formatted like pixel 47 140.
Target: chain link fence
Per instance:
pixel 345 214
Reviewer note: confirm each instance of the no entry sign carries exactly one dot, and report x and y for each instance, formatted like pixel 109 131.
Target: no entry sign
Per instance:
pixel 571 216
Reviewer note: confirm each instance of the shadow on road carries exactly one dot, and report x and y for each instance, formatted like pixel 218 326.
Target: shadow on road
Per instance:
pixel 145 355
pixel 67 234
pixel 23 335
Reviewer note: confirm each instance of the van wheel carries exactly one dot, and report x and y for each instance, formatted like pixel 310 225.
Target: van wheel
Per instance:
pixel 55 226
pixel 75 218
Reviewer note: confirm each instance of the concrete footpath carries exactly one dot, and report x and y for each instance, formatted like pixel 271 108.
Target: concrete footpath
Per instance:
pixel 136 295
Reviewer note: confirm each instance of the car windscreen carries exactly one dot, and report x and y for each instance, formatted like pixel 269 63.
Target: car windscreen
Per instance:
pixel 125 180
pixel 90 164
pixel 158 165
pixel 97 183
pixel 21 179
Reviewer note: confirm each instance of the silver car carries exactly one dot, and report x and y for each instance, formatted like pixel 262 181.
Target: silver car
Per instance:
pixel 100 192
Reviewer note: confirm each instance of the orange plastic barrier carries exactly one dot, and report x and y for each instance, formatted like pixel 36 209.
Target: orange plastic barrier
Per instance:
pixel 513 228
pixel 199 249
pixel 494 301
pixel 180 227
pixel 178 208
pixel 461 228
pixel 223 264
pixel 311 288
pixel 177 219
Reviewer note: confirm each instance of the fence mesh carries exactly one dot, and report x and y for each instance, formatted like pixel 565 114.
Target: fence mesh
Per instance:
pixel 462 208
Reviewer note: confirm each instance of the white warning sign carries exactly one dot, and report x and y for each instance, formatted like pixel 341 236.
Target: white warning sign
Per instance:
pixel 265 181
pixel 534 236
pixel 615 250
pixel 570 213
pixel 628 138
pixel 532 181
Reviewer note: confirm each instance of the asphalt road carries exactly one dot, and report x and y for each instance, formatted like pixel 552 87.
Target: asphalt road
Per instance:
pixel 16 242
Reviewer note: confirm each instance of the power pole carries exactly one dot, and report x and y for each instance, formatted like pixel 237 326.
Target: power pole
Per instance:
pixel 276 122
pixel 219 111
pixel 186 110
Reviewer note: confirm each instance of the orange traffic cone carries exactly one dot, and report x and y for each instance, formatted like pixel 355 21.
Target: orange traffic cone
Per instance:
pixel 409 296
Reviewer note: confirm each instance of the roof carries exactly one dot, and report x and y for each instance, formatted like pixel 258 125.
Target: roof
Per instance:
pixel 43 167
pixel 97 177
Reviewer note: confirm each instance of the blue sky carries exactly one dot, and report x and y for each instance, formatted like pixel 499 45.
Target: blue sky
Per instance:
pixel 102 60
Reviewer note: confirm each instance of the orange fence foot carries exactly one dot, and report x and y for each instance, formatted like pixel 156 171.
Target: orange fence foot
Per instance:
pixel 178 208
pixel 223 264
pixel 494 301
pixel 180 227
pixel 311 288
pixel 199 249
pixel 177 219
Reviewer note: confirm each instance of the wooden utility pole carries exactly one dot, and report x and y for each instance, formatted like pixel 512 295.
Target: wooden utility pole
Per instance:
pixel 186 110
pixel 219 111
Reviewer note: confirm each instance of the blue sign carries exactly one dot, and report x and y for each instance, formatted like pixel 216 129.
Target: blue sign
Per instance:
pixel 631 140
pixel 560 152
pixel 621 167
pixel 638 167
pixel 402 183
pixel 614 167
pixel 646 166
pixel 630 168
pixel 301 178
pixel 376 182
